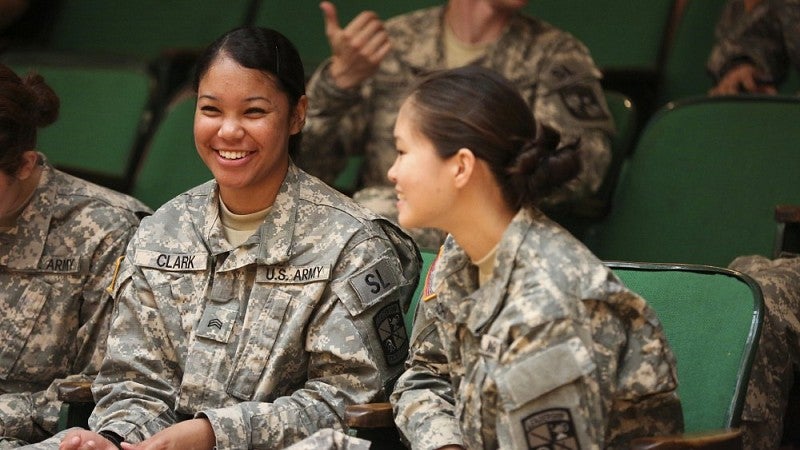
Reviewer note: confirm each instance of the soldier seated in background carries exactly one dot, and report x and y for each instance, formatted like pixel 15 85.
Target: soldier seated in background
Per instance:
pixel 354 97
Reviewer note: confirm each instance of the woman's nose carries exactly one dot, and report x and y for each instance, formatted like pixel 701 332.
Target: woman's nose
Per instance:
pixel 231 129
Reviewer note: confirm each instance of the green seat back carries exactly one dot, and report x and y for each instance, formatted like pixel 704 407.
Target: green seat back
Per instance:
pixel 703 181
pixel 103 108
pixel 620 34
pixel 712 318
pixel 171 164
pixel 684 68
pixel 427 259
pixel 625 119
pixel 143 28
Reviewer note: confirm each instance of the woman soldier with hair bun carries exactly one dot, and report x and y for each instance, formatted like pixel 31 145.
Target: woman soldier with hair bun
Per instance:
pixel 523 337
pixel 60 241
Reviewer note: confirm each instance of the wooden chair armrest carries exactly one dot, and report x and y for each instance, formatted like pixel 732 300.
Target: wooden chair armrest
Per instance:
pixel 728 439
pixel 369 415
pixel 75 391
pixel 787 213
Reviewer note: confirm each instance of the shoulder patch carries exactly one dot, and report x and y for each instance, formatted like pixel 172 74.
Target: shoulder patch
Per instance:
pixel 550 429
pixel 375 282
pixel 582 103
pixel 174 262
pixel 390 327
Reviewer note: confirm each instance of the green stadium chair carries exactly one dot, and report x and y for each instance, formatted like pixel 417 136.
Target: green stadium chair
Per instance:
pixel 684 67
pixel 170 164
pixel 702 182
pixel 684 72
pixel 580 217
pixel 712 318
pixel 104 108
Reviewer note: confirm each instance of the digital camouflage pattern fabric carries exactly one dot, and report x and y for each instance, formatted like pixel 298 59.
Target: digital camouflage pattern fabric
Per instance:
pixel 269 340
pixel 768 37
pixel 330 440
pixel 778 351
pixel 553 71
pixel 56 265
pixel 553 352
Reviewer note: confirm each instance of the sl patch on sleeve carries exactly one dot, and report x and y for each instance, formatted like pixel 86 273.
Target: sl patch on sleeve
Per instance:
pixel 390 327
pixel 582 103
pixel 551 429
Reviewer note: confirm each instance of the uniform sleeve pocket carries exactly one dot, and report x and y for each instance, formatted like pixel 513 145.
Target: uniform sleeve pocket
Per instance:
pixel 16 327
pixel 542 372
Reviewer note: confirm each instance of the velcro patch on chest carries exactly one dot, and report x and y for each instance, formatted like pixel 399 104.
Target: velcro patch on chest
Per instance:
pixel 293 274
pixel 217 321
pixel 60 264
pixel 174 262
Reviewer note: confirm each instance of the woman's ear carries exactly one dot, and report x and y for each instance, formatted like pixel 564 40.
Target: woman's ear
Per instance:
pixel 464 166
pixel 30 159
pixel 298 119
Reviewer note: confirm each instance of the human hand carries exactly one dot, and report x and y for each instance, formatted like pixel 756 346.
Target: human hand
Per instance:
pixel 194 434
pixel 85 440
pixel 358 49
pixel 742 78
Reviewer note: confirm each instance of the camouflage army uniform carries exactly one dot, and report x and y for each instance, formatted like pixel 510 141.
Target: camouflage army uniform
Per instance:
pixel 330 440
pixel 269 340
pixel 778 352
pixel 553 350
pixel 553 71
pixel 55 267
pixel 768 37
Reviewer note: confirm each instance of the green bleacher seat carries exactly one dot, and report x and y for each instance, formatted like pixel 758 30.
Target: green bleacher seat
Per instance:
pixel 170 164
pixel 712 317
pixel 103 109
pixel 702 182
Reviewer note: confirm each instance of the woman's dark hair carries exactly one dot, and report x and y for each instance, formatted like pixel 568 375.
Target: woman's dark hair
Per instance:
pixel 476 108
pixel 25 105
pixel 261 49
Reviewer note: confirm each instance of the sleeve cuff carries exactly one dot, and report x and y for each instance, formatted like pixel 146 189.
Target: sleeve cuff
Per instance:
pixel 231 429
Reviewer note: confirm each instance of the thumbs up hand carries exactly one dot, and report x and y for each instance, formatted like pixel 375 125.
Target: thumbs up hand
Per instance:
pixel 358 48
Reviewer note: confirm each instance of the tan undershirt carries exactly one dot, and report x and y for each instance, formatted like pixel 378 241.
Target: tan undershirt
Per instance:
pixel 486 266
pixel 458 53
pixel 239 227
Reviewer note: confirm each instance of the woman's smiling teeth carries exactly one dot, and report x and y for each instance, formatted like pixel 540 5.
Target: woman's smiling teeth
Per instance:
pixel 232 155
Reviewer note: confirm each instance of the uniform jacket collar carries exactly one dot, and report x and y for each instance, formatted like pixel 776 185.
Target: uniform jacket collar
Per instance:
pixel 457 289
pixel 21 247
pixel 273 238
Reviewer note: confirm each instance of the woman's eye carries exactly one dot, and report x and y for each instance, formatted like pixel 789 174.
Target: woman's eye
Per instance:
pixel 254 112
pixel 209 110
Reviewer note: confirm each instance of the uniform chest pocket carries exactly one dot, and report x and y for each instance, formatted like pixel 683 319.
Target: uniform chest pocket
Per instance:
pixel 252 359
pixel 16 327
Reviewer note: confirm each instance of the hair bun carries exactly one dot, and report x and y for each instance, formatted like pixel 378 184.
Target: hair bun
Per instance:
pixel 46 102
pixel 543 165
